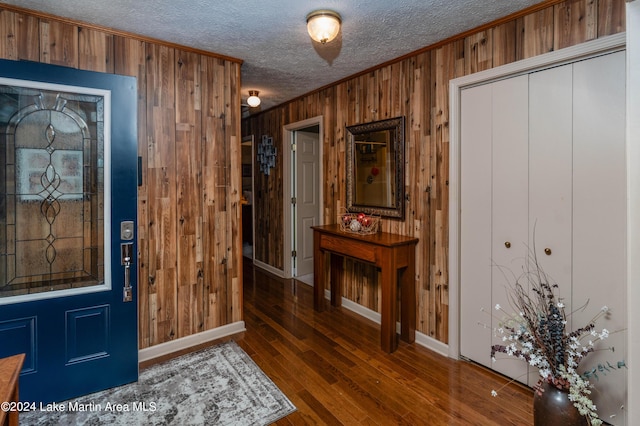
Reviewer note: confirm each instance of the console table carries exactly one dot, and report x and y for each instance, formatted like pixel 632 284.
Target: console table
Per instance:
pixel 9 374
pixel 393 254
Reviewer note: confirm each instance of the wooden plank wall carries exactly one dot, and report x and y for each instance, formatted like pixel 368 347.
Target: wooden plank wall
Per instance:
pixel 190 261
pixel 416 87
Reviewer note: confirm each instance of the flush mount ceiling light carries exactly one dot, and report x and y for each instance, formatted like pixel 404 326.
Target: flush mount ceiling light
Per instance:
pixel 253 100
pixel 323 25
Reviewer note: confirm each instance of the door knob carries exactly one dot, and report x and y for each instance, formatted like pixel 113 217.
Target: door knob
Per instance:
pixel 126 253
pixel 547 251
pixel 507 244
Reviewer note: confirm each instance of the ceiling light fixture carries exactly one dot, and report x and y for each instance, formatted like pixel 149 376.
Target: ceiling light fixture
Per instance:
pixel 323 25
pixel 253 100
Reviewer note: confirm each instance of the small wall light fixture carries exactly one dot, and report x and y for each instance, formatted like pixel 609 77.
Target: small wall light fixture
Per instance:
pixel 323 25
pixel 253 100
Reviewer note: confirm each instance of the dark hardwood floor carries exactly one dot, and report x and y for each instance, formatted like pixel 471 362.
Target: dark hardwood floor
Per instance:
pixel 331 367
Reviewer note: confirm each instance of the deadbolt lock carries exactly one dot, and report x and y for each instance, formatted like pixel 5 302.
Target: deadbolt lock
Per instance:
pixel 126 230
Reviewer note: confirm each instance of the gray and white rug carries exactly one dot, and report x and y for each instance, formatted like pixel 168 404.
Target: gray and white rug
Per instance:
pixel 220 385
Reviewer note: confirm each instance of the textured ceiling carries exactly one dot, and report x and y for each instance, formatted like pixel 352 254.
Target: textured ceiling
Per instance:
pixel 270 36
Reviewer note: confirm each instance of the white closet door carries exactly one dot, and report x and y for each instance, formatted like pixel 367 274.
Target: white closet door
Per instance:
pixel 599 224
pixel 475 225
pixel 544 166
pixel 550 174
pixel 510 202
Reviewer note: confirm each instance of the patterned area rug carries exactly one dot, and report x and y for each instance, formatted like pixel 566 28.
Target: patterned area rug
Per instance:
pixel 220 385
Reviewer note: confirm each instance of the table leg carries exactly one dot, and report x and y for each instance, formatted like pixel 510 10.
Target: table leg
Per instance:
pixel 408 301
pixel 389 303
pixel 337 268
pixel 13 418
pixel 318 274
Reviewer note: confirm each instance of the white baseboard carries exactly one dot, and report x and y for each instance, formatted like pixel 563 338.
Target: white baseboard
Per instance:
pixel 357 308
pixel 421 338
pixel 189 341
pixel 306 279
pixel 275 271
pixel 432 344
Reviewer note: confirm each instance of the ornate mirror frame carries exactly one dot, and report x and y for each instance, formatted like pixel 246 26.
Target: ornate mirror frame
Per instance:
pixel 375 168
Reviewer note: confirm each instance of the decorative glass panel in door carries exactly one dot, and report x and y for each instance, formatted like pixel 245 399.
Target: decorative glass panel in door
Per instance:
pixel 66 237
pixel 53 191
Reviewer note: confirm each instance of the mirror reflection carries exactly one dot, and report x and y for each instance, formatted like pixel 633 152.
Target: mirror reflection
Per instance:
pixel 375 176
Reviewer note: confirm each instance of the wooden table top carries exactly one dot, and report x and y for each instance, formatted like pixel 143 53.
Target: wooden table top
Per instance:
pixel 379 238
pixel 9 373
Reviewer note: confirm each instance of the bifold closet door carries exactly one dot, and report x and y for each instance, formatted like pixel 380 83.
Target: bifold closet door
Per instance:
pixel 475 224
pixel 494 205
pixel 550 182
pixel 543 174
pixel 599 220
pixel 509 204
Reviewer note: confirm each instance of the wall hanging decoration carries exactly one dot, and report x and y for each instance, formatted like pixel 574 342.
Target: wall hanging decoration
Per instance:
pixel 266 154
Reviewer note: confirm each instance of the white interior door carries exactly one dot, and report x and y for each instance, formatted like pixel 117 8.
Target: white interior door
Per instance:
pixel 307 189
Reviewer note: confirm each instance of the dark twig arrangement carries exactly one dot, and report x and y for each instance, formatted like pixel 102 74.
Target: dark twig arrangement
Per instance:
pixel 537 334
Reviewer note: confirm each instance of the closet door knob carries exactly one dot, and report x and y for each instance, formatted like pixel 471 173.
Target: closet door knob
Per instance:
pixel 547 251
pixel 507 244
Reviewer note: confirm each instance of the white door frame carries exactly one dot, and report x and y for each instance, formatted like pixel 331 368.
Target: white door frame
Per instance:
pixel 633 212
pixel 287 140
pixel 562 56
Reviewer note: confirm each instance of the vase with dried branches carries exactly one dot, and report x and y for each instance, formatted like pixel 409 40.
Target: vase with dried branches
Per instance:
pixel 537 333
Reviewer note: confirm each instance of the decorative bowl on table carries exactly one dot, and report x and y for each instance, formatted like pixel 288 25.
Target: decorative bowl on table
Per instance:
pixel 358 223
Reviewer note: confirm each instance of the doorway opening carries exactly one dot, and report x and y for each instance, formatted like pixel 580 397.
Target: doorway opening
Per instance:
pixel 247 196
pixel 303 195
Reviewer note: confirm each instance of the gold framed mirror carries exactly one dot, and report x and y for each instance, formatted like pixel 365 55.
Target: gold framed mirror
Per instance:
pixel 375 168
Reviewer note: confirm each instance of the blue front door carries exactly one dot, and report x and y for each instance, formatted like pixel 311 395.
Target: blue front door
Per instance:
pixel 68 155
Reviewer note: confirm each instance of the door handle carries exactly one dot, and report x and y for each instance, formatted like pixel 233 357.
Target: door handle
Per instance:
pixel 126 251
